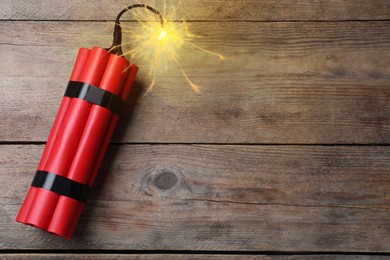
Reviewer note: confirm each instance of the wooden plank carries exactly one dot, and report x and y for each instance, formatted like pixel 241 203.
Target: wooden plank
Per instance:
pixel 208 197
pixel 189 256
pixel 248 10
pixel 281 83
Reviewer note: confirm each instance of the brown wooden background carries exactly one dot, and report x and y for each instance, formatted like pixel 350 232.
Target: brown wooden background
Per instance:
pixel 285 153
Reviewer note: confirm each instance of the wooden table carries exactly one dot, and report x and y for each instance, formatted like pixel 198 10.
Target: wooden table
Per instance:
pixel 285 152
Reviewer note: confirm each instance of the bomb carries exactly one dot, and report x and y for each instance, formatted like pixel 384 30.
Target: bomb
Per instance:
pixel 99 84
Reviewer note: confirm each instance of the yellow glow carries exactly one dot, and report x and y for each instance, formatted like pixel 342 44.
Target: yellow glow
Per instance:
pixel 162 35
pixel 160 47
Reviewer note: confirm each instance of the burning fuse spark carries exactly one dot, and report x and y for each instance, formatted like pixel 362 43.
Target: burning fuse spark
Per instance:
pixel 160 42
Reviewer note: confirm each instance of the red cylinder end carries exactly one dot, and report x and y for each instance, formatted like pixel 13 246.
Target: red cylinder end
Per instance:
pixel 65 217
pixel 81 60
pixel 95 66
pixel 25 208
pixel 41 211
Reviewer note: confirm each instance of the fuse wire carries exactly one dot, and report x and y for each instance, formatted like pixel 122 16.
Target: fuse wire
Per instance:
pixel 116 47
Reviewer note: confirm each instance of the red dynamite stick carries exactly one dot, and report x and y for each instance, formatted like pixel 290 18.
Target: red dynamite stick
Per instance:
pixel 98 121
pixel 75 76
pixel 68 210
pixel 81 60
pixel 65 146
pixel 112 125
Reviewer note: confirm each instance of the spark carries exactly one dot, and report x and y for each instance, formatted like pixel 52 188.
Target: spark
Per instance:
pixel 162 35
pixel 161 46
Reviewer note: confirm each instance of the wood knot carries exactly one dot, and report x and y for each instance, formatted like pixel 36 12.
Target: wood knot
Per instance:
pixel 165 180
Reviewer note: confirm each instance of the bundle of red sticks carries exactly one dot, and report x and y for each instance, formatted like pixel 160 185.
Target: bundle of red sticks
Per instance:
pixel 100 82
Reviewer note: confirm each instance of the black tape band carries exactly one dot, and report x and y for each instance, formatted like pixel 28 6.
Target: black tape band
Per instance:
pixel 61 185
pixel 94 95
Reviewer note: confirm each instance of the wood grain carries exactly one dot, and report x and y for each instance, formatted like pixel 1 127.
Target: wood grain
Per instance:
pixel 191 172
pixel 308 83
pixel 249 10
pixel 227 197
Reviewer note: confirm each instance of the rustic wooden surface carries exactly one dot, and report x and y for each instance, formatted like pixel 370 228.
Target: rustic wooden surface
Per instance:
pixel 284 154
pixel 226 10
pixel 282 83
